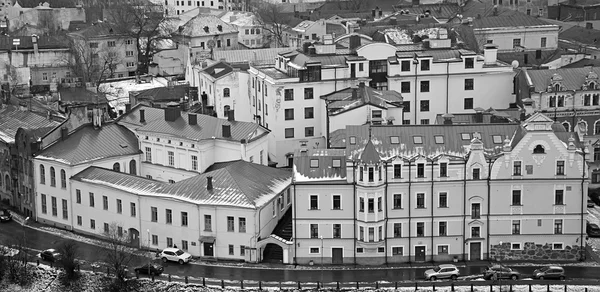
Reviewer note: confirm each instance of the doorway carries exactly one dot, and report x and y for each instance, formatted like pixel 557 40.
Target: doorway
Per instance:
pixel 134 237
pixel 419 253
pixel 208 249
pixel 475 251
pixel 337 255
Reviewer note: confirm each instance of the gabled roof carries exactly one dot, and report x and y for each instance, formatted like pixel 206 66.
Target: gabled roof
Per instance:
pixel 515 20
pixel 572 78
pixel 88 144
pixel 207 127
pixel 323 160
pixel 490 116
pixel 195 26
pixel 581 35
pixel 100 29
pixel 439 10
pixel 582 3
pixel 545 56
pixel 350 98
pixel 175 92
pixel 370 155
pixel 240 184
pixel 221 69
pixel 583 63
pixel 12 118
pixel 243 19
pixel 256 56
pixel 26 42
pixel 80 95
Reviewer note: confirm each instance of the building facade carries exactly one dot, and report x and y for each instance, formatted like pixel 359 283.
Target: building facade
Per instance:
pixel 250 29
pixel 401 194
pixel 181 6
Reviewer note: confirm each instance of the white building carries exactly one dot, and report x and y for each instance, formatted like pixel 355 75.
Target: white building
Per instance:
pixel 181 6
pixel 250 29
pixel 222 213
pixel 178 145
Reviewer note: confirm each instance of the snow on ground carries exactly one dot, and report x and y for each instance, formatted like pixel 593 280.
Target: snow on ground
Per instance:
pixel 117 92
pixel 594 217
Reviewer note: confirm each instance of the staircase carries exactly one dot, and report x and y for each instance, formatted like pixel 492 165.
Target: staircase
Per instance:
pixel 272 252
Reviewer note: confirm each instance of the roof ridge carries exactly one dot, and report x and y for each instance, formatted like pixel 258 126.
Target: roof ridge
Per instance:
pixel 237 183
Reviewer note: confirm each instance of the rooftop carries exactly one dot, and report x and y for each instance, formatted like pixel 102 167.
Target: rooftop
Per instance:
pixel 489 116
pixel 256 56
pixel 100 29
pixel 239 184
pixel 581 35
pixel 505 21
pixel 569 78
pixel 438 55
pixel 241 19
pixel 221 69
pixel 582 3
pixel 437 10
pixel 207 25
pixel 318 165
pixel 583 63
pixel 26 42
pixel 13 117
pixel 89 144
pixel 350 98
pixel 80 95
pixel 175 92
pixel 533 57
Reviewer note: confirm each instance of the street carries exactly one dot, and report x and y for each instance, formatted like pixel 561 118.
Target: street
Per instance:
pixel 38 240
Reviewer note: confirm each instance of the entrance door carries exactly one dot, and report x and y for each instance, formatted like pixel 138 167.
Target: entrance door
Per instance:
pixel 134 237
pixel 337 256
pixel 475 251
pixel 208 249
pixel 419 253
pixel 290 160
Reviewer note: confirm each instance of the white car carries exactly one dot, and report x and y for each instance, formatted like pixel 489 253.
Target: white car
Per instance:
pixel 175 255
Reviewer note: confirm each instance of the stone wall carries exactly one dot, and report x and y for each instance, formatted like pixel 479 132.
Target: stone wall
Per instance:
pixel 533 251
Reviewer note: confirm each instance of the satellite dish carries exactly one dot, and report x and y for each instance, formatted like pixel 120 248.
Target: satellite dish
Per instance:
pixel 515 64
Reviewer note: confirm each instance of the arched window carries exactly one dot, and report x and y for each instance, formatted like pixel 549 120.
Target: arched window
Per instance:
pixel 592 85
pixel 52 177
pixel 567 126
pixel 116 166
pixel 539 149
pixel 556 87
pixel 597 127
pixel 42 174
pixel 226 92
pixel 132 167
pixel 63 179
pixel 226 111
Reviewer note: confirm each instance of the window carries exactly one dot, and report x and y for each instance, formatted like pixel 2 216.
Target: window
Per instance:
pixel 207 223
pixel 475 210
pixel 421 170
pixel 424 105
pixel 397 170
pixel 171 156
pixel 79 220
pixel 105 202
pixel 361 67
pixel 371 234
pixel 516 43
pixel 92 203
pixel 443 169
pixel 397 201
pixel 543 42
pixel 169 216
pixel 405 66
pixel 516 198
pixel 406 107
pixel 442 228
pixel 420 229
pixel 52 177
pixel 44 204
pixel 65 212
pixel 469 84
pixel 148 154
pixel 515 246
pixel 420 201
pixel 475 232
pixel 360 172
pixel 425 65
pixel 352 140
pixel 424 86
pixel 309 112
pixel 119 206
pixel 230 224
pixel 314 250
pixel 443 200
pixel 78 196
pixel 45 76
pixel 371 174
pixel 361 233
pixel 517 168
pixel 337 202
pixel 184 219
pixel 378 66
pixel 560 167
pixel 336 163
pixel 154 214
pixel 154 239
pixel 314 231
pixel 442 249
pixel 476 173
pixel 539 149
pixel 63 179
pixel 405 87
pixel 289 132
pixel 469 63
pixel 559 197
pixel 106 228
pixel 379 204
pixel 242 250
pixel 397 230
pixel 42 174
pixel 308 93
pixel 468 103
pixel 93 45
pixel 226 92
pixel 314 202
pixel 128 53
pixel 92 224
pixel 242 224
pixel 361 207
pixel 557 246
pixel 398 250
pixel 516 227
pixel 289 114
pixel 194 162
pixel 558 226
pixel 132 209
pixel 289 94
pixel 337 230
pixel 371 205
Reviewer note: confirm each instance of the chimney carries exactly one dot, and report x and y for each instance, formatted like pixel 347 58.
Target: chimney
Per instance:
pixel 127 107
pixel 230 115
pixel 354 42
pixel 226 131
pixel 64 133
pixel 589 25
pixel 171 113
pixel 209 183
pixel 34 39
pixel 354 93
pixel 490 54
pixel 479 115
pixel 192 119
pixel 232 18
pixel 448 119
pixel 416 2
pixel 361 84
pixel 142 116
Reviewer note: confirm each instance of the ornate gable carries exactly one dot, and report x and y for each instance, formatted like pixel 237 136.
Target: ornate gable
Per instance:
pixel 555 83
pixel 591 81
pixel 538 122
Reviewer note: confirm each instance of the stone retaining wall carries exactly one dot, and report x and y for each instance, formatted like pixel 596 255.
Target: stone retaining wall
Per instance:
pixel 533 251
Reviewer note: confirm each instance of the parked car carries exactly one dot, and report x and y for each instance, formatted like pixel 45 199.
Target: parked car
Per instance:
pixel 591 204
pixel 592 229
pixel 549 272
pixel 175 255
pixel 150 269
pixel 503 272
pixel 442 272
pixel 5 216
pixel 50 255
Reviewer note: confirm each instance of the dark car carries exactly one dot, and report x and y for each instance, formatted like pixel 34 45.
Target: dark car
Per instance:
pixel 503 272
pixel 5 216
pixel 50 255
pixel 549 272
pixel 592 229
pixel 150 269
pixel 591 204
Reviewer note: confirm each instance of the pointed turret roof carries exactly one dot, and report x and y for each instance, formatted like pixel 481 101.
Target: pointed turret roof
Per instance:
pixel 370 154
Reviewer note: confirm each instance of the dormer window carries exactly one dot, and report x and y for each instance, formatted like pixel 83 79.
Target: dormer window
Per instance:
pixel 592 85
pixel 371 174
pixel 556 87
pixel 336 163
pixel 314 163
pixel 539 149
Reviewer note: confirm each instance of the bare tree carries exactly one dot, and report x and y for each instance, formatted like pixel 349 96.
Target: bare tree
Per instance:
pixel 117 253
pixel 69 251
pixel 274 21
pixel 148 24
pixel 91 64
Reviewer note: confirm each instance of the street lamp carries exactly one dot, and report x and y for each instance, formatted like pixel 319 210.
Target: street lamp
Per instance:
pixel 148 230
pixel 23 228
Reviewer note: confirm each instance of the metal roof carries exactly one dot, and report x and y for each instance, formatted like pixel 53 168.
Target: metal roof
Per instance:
pixel 240 184
pixel 572 78
pixel 346 99
pixel 260 56
pixel 175 92
pixel 88 144
pixel 80 95
pixel 514 20
pixel 12 118
pixel 317 164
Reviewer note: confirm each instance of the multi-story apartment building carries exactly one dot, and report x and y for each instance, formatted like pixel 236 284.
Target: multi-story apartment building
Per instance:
pixel 250 28
pixel 308 31
pixel 528 7
pixel 442 192
pixel 178 145
pixel 103 42
pixel 182 6
pixel 204 33
pixel 222 213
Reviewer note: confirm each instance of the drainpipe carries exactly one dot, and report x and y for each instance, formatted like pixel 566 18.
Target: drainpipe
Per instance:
pixel 354 208
pixel 139 211
pixel 417 88
pixel 327 126
pixel 432 182
pixel 464 233
pixel 409 208
pixel 385 212
pixel 447 85
pixel 295 224
pixel 489 204
pixel 199 228
pixel 583 202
